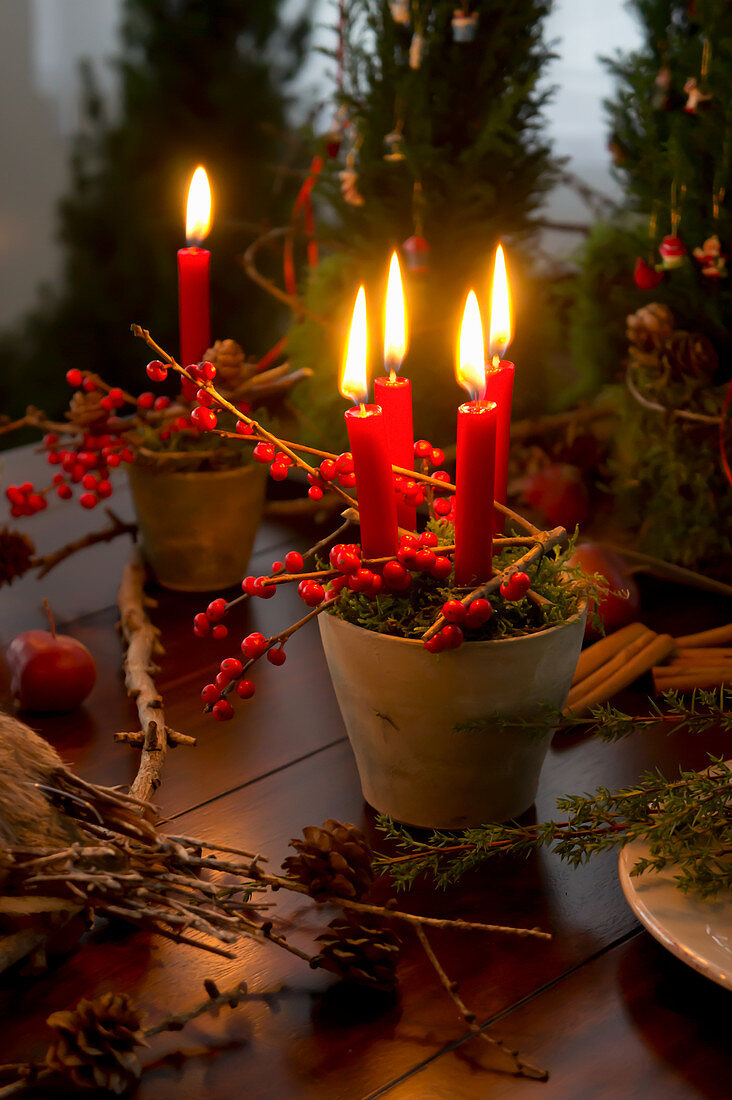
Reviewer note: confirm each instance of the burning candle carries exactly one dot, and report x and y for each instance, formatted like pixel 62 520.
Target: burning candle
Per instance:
pixel 193 273
pixel 394 394
pixel 371 464
pixel 476 456
pixel 499 377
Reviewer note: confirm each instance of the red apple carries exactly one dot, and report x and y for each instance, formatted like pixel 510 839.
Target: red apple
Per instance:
pixel 622 602
pixel 49 671
pixel 559 493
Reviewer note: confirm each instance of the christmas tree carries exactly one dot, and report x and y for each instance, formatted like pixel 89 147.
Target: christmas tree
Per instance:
pixel 654 301
pixel 201 81
pixel 437 149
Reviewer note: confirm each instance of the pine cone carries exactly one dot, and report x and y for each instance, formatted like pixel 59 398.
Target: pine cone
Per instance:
pixel 95 1047
pixel 85 409
pixel 649 327
pixel 230 362
pixel 16 554
pixel 689 354
pixel 366 953
pixel 333 860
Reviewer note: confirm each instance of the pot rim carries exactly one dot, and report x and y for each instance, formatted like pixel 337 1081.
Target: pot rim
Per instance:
pixel 228 471
pixel 473 645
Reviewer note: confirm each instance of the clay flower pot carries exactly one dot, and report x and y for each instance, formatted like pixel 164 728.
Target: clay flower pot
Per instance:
pixel 198 527
pixel 427 750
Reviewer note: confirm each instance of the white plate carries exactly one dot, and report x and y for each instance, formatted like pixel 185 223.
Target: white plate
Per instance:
pixel 698 932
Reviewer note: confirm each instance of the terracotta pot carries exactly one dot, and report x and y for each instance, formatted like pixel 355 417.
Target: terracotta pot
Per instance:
pixel 198 527
pixel 420 725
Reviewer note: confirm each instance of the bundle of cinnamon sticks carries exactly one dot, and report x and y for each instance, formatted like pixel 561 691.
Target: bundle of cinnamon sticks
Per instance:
pixel 694 661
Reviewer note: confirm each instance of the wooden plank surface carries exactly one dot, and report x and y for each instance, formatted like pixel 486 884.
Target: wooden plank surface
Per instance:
pixel 606 1010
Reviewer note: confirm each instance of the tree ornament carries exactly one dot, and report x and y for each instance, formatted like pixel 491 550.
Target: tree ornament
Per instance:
pixel 333 860
pixel 95 1044
pixel 660 97
pixel 712 258
pixel 349 186
pixel 695 96
pixel 417 253
pixel 400 11
pixel 673 251
pixel 464 26
pixel 394 143
pixel 645 276
pixel 416 49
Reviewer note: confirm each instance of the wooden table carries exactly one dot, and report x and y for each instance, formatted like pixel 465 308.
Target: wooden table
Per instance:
pixel 603 1006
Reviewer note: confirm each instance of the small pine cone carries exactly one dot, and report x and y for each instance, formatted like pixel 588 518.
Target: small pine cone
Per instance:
pixel 85 409
pixel 689 354
pixel 366 953
pixel 95 1045
pixel 230 362
pixel 16 554
pixel 333 860
pixel 649 327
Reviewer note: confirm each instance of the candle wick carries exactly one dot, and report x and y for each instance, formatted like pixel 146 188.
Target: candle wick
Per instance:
pixel 362 409
pixel 392 375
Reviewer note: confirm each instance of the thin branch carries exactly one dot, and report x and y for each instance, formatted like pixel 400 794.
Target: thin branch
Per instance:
pixel 117 527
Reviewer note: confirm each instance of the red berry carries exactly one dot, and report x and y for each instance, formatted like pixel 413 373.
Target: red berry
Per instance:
pixel 428 539
pixel 203 418
pixel 64 491
pixel 37 502
pixel 376 587
pixel 201 623
pixel 328 469
pixel 315 492
pixel 264 452
pixel 396 576
pixel 422 448
pixel 146 400
pixel 452 636
pixel 74 377
pixel 188 389
pixel 247 585
pixel 454 611
pixel 348 560
pixel 116 396
pixel 245 689
pixel 104 488
pixel 294 562
pixel 426 559
pixel 276 656
pixel 346 481
pixel 243 428
pixel 253 646
pixel 437 457
pixel 360 580
pixel 516 587
pixel 407 555
pixel 88 385
pixel 441 475
pixel 223 710
pixel 222 680
pixel 231 667
pixel 156 371
pixel 278 471
pixel 479 612
pixel 311 593
pixel 263 590
pixel 442 568
pixel 88 500
pixel 113 460
pixel 435 644
pixel 277 567
pixel 409 539
pixel 210 694
pixel 220 631
pixel 442 507
pixel 344 463
pixel 207 370
pixel 216 610
pixel 161 403
pixel 203 397
pixel 89 481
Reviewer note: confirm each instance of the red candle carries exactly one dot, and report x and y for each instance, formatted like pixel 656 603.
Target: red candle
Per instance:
pixel 499 378
pixel 394 394
pixel 193 274
pixel 367 438
pixel 476 451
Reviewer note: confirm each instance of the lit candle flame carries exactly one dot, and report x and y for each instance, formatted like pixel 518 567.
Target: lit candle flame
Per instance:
pixel 198 209
pixel 500 334
pixel 470 367
pixel 354 384
pixel 395 320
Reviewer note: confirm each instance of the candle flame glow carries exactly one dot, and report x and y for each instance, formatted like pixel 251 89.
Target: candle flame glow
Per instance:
pixel 395 319
pixel 470 364
pixel 354 384
pixel 198 209
pixel 500 334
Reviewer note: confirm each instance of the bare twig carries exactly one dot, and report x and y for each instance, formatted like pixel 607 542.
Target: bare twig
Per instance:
pixel 117 527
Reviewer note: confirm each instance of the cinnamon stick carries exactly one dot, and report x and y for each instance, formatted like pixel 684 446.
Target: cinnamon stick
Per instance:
pixel 715 653
pixel 609 668
pixel 718 636
pixel 657 650
pixel 689 680
pixel 596 655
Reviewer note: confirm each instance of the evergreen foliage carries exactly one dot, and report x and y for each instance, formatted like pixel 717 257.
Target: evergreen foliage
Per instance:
pixel 201 81
pixel 475 169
